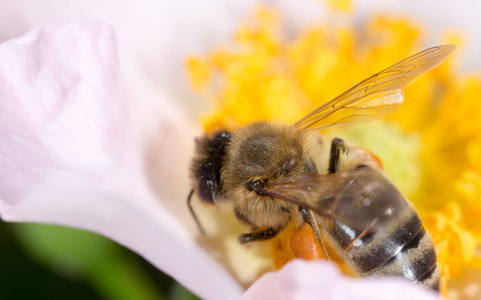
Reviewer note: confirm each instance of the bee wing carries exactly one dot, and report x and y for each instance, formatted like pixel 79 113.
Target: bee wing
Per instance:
pixel 362 199
pixel 377 95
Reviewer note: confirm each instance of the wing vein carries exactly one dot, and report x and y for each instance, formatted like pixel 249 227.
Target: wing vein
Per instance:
pixel 384 83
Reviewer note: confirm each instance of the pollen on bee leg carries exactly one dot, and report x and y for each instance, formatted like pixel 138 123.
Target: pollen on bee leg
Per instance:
pixel 281 249
pixel 304 243
pixel 295 242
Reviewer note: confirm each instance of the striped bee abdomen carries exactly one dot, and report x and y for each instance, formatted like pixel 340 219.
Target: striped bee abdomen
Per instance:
pixel 391 243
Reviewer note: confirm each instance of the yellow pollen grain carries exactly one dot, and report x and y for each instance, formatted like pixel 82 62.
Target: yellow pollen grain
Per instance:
pixel 264 74
pixel 340 5
pixel 199 71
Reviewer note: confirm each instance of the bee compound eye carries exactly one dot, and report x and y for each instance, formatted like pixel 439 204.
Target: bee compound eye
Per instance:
pixel 258 187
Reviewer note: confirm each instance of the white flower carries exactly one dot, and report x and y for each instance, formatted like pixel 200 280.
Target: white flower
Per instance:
pixel 97 132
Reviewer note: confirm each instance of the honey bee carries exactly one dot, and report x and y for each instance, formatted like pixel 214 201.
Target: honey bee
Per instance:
pixel 277 173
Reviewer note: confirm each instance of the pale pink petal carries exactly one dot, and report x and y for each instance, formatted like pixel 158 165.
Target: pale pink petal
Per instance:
pixel 301 279
pixel 61 110
pixel 154 38
pixel 66 156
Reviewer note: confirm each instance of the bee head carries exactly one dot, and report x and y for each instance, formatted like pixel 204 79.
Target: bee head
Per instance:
pixel 207 164
pixel 257 154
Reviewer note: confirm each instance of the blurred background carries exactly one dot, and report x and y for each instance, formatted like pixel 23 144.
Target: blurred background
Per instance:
pixel 45 261
pixel 55 262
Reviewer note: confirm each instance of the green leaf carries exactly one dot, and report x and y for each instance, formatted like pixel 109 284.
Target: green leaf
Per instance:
pixel 78 253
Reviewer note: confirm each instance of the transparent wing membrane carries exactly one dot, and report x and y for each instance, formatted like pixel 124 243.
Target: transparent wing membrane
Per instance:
pixel 359 199
pixel 377 95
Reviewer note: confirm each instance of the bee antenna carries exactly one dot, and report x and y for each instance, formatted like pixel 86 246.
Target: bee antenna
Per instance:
pixel 189 198
pixel 257 186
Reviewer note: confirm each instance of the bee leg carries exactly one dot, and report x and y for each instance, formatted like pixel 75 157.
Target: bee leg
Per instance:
pixel 309 219
pixel 257 236
pixel 189 203
pixel 337 148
